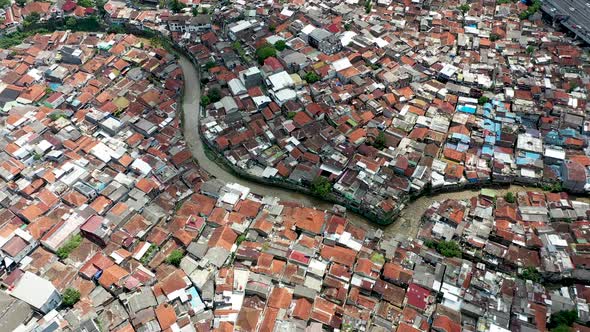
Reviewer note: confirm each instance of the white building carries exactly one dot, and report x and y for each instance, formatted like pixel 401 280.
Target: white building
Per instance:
pixel 37 292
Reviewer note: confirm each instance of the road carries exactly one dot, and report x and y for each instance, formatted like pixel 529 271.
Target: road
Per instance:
pixel 579 17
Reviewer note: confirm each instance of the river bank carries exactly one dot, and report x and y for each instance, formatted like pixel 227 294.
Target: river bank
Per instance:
pixel 408 222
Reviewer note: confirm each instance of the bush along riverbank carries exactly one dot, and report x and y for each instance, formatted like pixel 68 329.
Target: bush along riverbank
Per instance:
pixel 374 215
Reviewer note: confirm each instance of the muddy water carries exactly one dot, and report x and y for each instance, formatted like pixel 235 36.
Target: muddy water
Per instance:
pixel 408 222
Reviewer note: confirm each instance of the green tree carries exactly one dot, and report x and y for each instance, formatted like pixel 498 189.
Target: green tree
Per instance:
pixel 175 257
pixel 494 37
pixel 70 297
pixel 368 6
pixel 311 77
pixel 73 243
pixel 214 95
pixel 321 186
pixel 449 249
pixel 21 3
pixel 379 142
pixel 531 273
pixel 509 197
pixel 31 19
pixel 195 11
pixel 71 22
pixel 272 27
pixel 86 3
pixel 563 318
pixel 430 244
pixel 241 238
pixel 210 64
pixel 280 45
pixel 4 3
pixel 100 5
pixel 264 52
pixel 530 49
pixel 347 26
pixel 482 100
pixel 205 100
pixel 561 328
pixel 464 8
pixel 175 6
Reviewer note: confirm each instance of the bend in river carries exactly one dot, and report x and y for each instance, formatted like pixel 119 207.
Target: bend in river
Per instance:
pixel 407 224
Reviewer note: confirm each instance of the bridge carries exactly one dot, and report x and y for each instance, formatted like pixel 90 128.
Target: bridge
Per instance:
pixel 573 15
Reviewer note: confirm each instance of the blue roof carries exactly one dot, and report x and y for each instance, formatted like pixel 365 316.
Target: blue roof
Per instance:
pixel 466 109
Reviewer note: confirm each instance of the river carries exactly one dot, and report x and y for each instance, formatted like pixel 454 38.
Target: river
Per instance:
pixel 192 93
pixel 406 225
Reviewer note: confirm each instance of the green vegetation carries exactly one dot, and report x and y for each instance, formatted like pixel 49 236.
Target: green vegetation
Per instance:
pixel 509 197
pixel 445 248
pixel 4 3
pixel 21 3
pixel 291 115
pixel 482 100
pixel 311 77
pixel 554 187
pixel 379 142
pixel 347 26
pixel 449 248
pixel 264 52
pixel 210 64
pixel 34 27
pixel 37 156
pixel 56 115
pixel 175 257
pixel 195 11
pixel 175 6
pixel 531 273
pixel 31 19
pixel 494 37
pixel 464 8
pixel 70 297
pixel 561 328
pixel 236 46
pixel 321 186
pixel 213 96
pixel 85 3
pixel 145 259
pixel 531 10
pixel 241 238
pixel 430 244
pixel 69 246
pixel 70 22
pixel 530 49
pixel 562 320
pixel 368 6
pixel 280 45
pixel 501 2
pixel 272 27
pixel 573 86
pixel 16 38
pixel 377 258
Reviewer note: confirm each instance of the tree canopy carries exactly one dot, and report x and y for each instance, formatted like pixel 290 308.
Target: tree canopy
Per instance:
pixel 280 45
pixel 174 258
pixel 86 3
pixel 321 186
pixel 509 197
pixel 70 297
pixel 311 77
pixel 561 320
pixel 264 52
